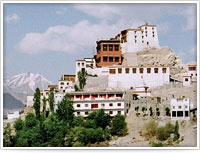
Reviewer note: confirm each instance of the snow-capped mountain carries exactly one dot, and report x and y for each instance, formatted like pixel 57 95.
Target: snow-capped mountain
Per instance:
pixel 24 84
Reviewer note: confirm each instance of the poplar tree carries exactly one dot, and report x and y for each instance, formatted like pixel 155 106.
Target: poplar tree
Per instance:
pixel 51 100
pixel 44 101
pixel 36 104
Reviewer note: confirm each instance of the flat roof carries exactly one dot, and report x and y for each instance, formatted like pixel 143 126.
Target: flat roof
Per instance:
pixel 94 92
pixel 105 41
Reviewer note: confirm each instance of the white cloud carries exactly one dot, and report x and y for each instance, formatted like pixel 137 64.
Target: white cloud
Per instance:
pixel 61 11
pixel 190 14
pixel 102 11
pixel 163 27
pixel 79 37
pixel 12 18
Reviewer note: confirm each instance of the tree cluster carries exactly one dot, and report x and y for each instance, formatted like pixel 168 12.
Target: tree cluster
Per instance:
pixel 62 129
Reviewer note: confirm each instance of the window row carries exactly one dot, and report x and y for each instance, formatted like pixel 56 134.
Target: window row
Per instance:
pixel 110 47
pixel 180 113
pixel 134 70
pixel 97 105
pixel 180 107
pixel 110 112
pixel 81 64
pixel 110 59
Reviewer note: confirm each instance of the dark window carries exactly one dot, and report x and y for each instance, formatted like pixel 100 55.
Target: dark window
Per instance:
pixel 102 105
pixel 146 28
pixel 134 70
pixel 153 35
pixel 110 59
pixel 147 42
pixel 127 70
pixel 141 70
pixel 152 28
pixel 110 112
pixel 105 58
pixel 104 47
pixel 118 104
pixel 186 114
pixel 116 59
pixel 94 105
pixel 142 41
pixel 164 70
pixel 179 113
pixel 78 113
pixel 148 70
pixel 116 47
pixel 192 68
pixel 78 105
pixel 112 71
pixel 63 90
pixel 186 79
pixel 86 105
pixel 62 83
pixel 135 36
pixel 135 41
pixel 111 104
pixel 78 64
pixel 142 37
pixel 119 70
pixel 86 113
pixel 119 112
pixel 110 47
pixel 155 70
pixel 82 64
pixel 173 113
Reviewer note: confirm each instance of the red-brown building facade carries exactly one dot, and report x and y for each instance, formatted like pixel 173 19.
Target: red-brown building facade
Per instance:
pixel 108 53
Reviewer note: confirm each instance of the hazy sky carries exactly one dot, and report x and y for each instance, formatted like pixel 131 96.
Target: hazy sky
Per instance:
pixel 49 38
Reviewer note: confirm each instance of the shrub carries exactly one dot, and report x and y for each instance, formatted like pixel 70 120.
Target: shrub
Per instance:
pixel 163 133
pixel 158 144
pixel 78 121
pixel 78 144
pixel 150 129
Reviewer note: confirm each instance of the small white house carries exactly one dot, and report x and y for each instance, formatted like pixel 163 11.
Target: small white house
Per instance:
pixel 180 109
pixel 142 91
pixel 66 86
pixel 30 101
pixel 13 115
pixel 186 81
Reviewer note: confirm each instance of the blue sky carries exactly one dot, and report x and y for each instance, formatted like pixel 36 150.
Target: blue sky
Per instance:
pixel 49 38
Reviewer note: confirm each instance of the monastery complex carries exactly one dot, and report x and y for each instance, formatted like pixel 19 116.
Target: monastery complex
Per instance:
pixel 116 82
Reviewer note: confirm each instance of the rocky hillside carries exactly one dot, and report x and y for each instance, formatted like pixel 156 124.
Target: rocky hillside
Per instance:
pixel 161 57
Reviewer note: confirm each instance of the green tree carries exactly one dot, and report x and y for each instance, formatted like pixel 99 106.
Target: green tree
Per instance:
pixel 82 77
pixel 102 119
pixel 7 137
pixel 137 108
pixel 176 131
pixel 44 101
pixel 51 100
pixel 36 104
pixel 76 88
pixel 118 125
pixel 78 121
pixel 167 111
pixel 19 124
pixel 30 120
pixel 151 111
pixel 65 110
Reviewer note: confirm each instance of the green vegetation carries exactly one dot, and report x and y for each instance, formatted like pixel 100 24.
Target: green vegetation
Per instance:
pixel 158 144
pixel 36 104
pixel 163 133
pixel 82 77
pixel 137 108
pixel 176 131
pixel 167 111
pixel 62 129
pixel 51 100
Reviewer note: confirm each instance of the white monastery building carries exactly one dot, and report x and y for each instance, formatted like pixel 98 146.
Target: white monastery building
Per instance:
pixel 85 102
pixel 180 109
pixel 134 40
